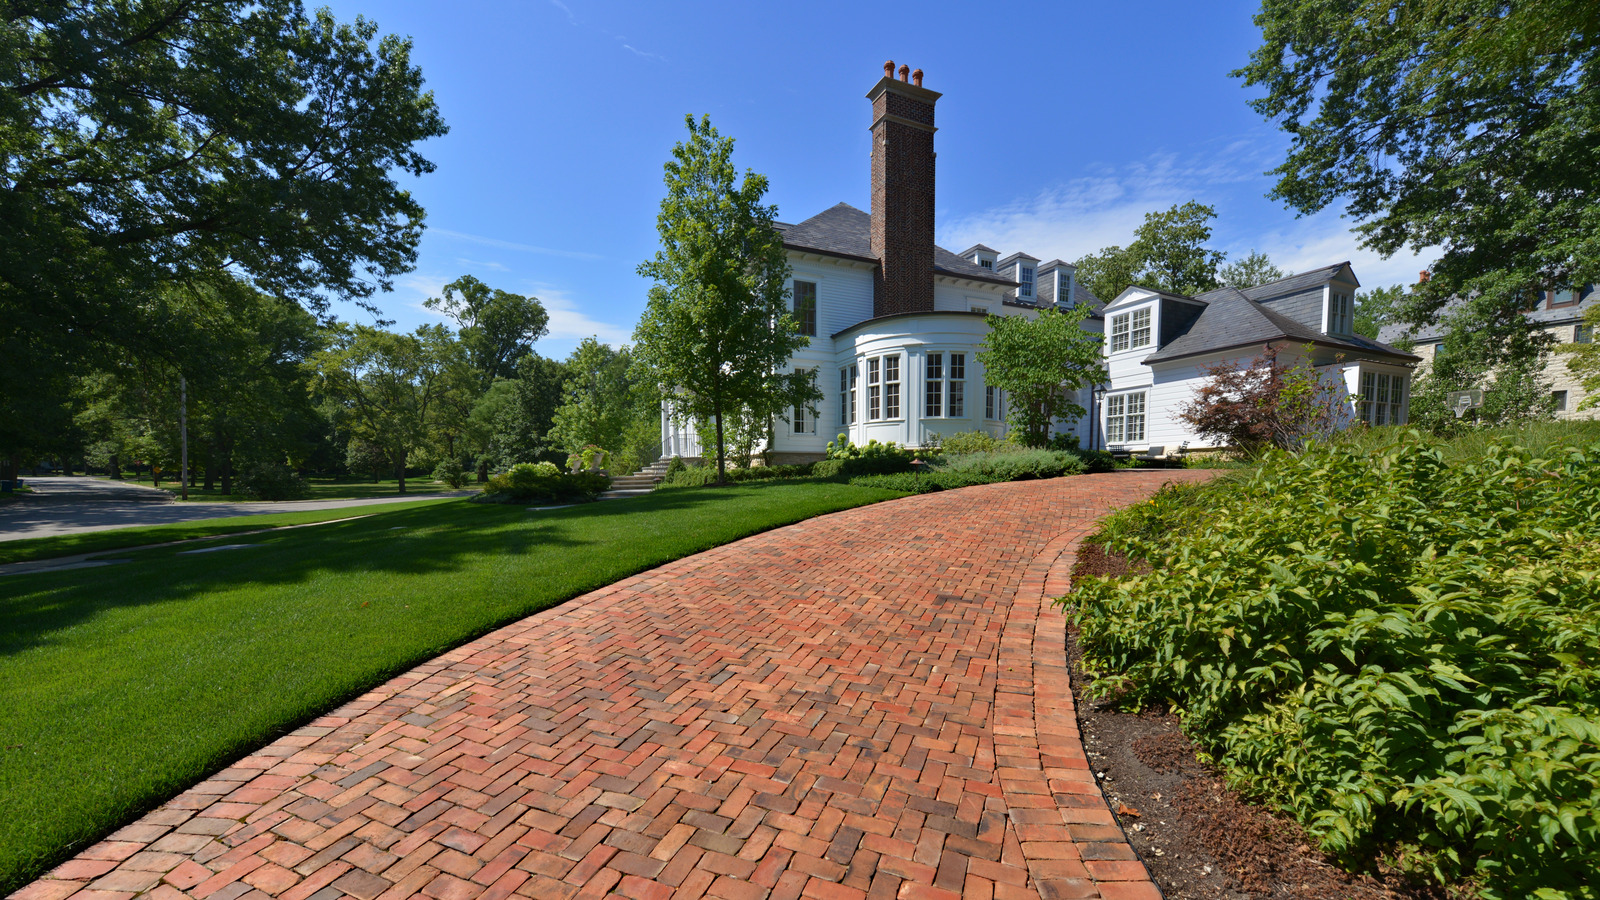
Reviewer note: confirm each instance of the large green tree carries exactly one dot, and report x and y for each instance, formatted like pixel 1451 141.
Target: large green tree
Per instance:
pixel 1254 269
pixel 497 328
pixel 152 143
pixel 717 331
pixel 1168 253
pixel 1462 125
pixel 605 404
pixel 1378 307
pixel 1042 364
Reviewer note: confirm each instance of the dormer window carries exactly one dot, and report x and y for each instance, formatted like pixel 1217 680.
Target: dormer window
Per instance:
pixel 1130 330
pixel 1024 281
pixel 1341 313
pixel 1063 288
pixel 986 263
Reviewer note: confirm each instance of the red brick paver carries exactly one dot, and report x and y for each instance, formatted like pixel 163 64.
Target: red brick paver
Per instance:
pixel 871 704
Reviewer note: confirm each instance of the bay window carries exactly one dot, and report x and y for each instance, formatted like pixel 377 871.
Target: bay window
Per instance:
pixel 1382 398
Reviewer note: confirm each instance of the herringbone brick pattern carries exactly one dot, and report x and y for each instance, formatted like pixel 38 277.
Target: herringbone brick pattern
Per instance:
pixel 868 704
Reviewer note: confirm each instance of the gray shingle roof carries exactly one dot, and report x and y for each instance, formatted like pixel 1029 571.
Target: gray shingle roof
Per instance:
pixel 1294 284
pixel 1435 331
pixel 843 230
pixel 1232 319
pixel 977 247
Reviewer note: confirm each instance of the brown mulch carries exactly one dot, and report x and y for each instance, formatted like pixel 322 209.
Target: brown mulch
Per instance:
pixel 1200 840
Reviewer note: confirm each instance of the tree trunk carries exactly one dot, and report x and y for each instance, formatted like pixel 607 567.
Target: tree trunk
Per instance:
pixel 225 463
pixel 722 453
pixel 211 470
pixel 115 468
pixel 400 473
pixel 483 471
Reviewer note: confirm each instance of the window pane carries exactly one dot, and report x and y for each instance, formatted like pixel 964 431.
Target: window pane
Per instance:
pixel 935 366
pixel 958 399
pixel 805 307
pixel 958 365
pixel 1119 332
pixel 988 401
pixel 1141 329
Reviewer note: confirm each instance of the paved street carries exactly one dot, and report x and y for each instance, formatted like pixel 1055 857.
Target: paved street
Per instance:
pixel 68 505
pixel 869 704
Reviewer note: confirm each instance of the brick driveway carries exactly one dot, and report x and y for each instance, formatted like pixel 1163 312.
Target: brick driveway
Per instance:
pixel 868 704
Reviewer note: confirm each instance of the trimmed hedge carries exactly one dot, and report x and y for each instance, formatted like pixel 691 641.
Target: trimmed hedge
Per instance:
pixel 1398 648
pixel 542 483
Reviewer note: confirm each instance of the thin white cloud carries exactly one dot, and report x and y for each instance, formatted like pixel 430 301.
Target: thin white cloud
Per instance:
pixel 620 39
pixel 563 7
pixel 512 245
pixel 482 264
pixel 637 52
pixel 1103 209
pixel 569 323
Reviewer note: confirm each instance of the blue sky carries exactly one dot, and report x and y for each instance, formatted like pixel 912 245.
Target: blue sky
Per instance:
pixel 1060 126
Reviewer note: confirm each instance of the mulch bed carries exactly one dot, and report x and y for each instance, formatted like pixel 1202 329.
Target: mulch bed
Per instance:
pixel 1200 840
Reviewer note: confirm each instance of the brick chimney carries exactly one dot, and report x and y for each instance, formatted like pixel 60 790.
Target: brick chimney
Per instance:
pixel 902 192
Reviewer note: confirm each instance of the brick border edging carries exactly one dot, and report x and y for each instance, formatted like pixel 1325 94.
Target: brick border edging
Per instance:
pixel 1071 842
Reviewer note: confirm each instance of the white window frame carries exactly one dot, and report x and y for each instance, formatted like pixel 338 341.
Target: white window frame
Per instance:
pixel 1119 333
pixel 1383 398
pixel 892 395
pixel 802 415
pixel 848 377
pixel 933 385
pixel 794 303
pixel 1341 313
pixel 874 389
pixel 994 404
pixel 1139 330
pixel 1025 276
pixel 956 380
pixel 1126 417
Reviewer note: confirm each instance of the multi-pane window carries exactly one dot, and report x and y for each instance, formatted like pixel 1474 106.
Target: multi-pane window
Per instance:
pixel 1024 281
pixel 1582 334
pixel 994 403
pixel 1063 288
pixel 958 385
pixel 891 387
pixel 847 395
pixel 1140 336
pixel 986 263
pixel 1382 397
pixel 805 307
pixel 1125 418
pixel 1119 333
pixel 804 421
pixel 933 405
pixel 1341 314
pixel 874 390
pixel 1561 400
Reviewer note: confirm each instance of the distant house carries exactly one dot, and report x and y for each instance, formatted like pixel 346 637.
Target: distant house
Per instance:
pixel 1558 313
pixel 896 322
pixel 1158 346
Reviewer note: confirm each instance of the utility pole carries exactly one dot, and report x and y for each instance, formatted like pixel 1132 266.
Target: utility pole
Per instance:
pixel 183 430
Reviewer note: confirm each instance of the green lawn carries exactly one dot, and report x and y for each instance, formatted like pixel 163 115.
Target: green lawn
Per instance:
pixel 98 541
pixel 329 488
pixel 121 686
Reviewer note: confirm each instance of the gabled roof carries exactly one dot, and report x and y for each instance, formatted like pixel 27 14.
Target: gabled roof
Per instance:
pixel 1057 264
pixel 1294 284
pixel 844 231
pixel 1231 319
pixel 1018 255
pixel 978 248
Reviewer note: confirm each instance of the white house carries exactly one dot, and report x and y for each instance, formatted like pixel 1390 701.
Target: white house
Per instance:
pixel 896 322
pixel 1159 347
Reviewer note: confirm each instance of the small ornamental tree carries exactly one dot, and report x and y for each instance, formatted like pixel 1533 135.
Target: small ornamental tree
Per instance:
pixel 1041 363
pixel 1265 405
pixel 717 331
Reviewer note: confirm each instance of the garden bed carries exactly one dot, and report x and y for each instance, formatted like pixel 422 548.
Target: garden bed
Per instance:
pixel 1199 840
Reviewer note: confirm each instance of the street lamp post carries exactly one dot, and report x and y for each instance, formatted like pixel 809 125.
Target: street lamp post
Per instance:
pixel 1096 396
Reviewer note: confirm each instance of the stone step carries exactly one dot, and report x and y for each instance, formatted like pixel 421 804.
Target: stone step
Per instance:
pixel 635 481
pixel 624 493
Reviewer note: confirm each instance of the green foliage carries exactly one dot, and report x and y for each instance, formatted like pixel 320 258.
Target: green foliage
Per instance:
pixel 871 458
pixel 1041 364
pixel 449 473
pixel 497 328
pixel 1377 308
pixel 1506 361
pixel 1395 647
pixel 1253 270
pixel 605 405
pixel 1266 404
pixel 1583 360
pixel 1095 461
pixel 586 458
pixel 1466 125
pixel 717 330
pixel 272 481
pixel 543 483
pixel 1014 465
pixel 969 442
pixel 1107 273
pixel 921 483
pixel 1168 253
pixel 699 476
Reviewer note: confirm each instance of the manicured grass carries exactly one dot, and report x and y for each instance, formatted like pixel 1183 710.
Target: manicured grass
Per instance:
pixel 321 488
pixel 117 538
pixel 121 686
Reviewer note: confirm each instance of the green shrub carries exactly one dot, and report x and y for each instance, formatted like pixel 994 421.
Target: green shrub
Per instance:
pixel 675 466
pixel 449 472
pixel 695 476
pixel 271 481
pixel 827 468
pixel 1014 465
pixel 543 482
pixel 911 483
pixel 1398 649
pixel 963 442
pixel 1095 460
pixel 873 457
pixel 1063 442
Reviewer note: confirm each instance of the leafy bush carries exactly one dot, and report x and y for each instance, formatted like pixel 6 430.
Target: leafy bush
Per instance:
pixel 695 476
pixel 969 442
pixel 1095 460
pixel 271 481
pixel 1014 465
pixel 449 472
pixel 1397 649
pixel 1063 442
pixel 871 458
pixel 675 466
pixel 543 482
pixel 926 482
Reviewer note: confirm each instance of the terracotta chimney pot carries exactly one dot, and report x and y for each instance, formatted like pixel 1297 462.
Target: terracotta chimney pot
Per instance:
pixel 916 78
pixel 888 69
pixel 904 72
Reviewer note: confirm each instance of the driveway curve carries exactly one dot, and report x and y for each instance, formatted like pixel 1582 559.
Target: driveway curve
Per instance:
pixel 76 505
pixel 873 703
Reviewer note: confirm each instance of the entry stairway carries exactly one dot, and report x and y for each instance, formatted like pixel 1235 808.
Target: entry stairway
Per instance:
pixel 639 483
